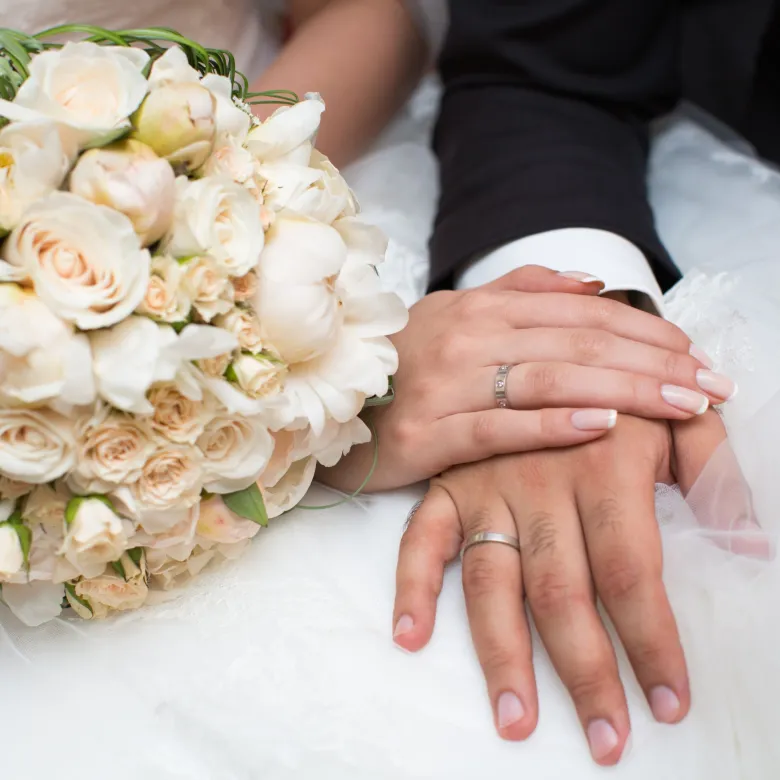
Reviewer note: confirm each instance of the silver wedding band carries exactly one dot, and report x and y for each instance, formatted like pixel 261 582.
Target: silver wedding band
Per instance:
pixel 489 537
pixel 502 378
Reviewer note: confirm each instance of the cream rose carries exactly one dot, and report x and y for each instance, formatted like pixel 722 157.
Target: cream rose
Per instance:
pixel 216 217
pixel 87 89
pixel 11 554
pixel 41 358
pixel 109 591
pixel 95 535
pixel 130 178
pixel 36 446
pixel 215 367
pixel 296 298
pixel 207 285
pixel 170 574
pixel 217 524
pixel 176 417
pixel 11 489
pixel 245 326
pixel 258 376
pixel 244 287
pixel 166 300
pixel 33 164
pixel 235 451
pixel 172 477
pixel 85 261
pixel 112 450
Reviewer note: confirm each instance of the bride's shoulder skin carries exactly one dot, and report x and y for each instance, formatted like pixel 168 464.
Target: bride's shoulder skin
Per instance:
pixel 363 56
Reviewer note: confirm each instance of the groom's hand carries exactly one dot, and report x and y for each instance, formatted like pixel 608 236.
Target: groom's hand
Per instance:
pixel 586 524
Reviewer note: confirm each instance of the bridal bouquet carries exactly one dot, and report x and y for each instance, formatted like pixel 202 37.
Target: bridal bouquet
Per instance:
pixel 190 316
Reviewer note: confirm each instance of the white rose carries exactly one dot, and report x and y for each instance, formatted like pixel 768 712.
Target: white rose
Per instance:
pixel 219 525
pixel 129 177
pixel 259 376
pixel 244 287
pixel 176 417
pixel 178 121
pixel 287 134
pixel 89 90
pixel 46 506
pixel 33 164
pixel 109 591
pixel 172 477
pixel 130 357
pixel 170 574
pixel 157 533
pixel 166 300
pixel 41 358
pixel 11 554
pixel 245 326
pixel 85 261
pixel 173 68
pixel 216 217
pixel 289 491
pixel 235 451
pixel 208 286
pixel 36 446
pixel 95 535
pixel 112 450
pixel 296 298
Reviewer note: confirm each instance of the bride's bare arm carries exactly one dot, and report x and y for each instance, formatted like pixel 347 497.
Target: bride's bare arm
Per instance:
pixel 364 57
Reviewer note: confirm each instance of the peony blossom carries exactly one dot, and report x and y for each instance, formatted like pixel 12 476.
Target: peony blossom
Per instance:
pixel 286 136
pixel 84 261
pixel 90 91
pixel 129 177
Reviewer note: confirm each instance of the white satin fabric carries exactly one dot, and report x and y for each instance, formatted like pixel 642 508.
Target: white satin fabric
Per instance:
pixel 280 665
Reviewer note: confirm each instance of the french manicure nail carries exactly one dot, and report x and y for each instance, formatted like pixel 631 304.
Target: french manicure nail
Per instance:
pixel 716 384
pixel 404 625
pixel 602 738
pixel 510 709
pixel 685 400
pixel 701 356
pixel 664 704
pixel 594 419
pixel 580 276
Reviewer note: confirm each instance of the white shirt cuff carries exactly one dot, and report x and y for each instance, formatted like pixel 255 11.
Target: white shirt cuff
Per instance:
pixel 616 261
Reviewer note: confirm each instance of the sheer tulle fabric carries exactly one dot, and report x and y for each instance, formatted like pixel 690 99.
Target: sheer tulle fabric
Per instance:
pixel 280 665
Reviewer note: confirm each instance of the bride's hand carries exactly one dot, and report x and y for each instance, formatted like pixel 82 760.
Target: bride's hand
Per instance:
pixel 570 350
pixel 585 520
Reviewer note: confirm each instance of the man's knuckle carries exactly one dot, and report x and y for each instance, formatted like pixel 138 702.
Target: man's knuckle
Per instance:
pixel 619 578
pixel 588 683
pixel 541 534
pixel 496 660
pixel 475 303
pixel 480 577
pixel 608 514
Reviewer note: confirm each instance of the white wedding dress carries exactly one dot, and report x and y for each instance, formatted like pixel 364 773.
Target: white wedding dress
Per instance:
pixel 280 665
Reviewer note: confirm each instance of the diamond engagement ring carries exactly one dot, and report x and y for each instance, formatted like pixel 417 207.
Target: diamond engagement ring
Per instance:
pixel 488 537
pixel 502 376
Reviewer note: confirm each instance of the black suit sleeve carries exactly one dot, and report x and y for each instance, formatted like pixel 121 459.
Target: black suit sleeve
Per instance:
pixel 544 122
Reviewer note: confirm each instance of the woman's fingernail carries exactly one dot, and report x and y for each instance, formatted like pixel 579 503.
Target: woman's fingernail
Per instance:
pixel 510 709
pixel 404 625
pixel 664 704
pixel 580 276
pixel 685 400
pixel 602 738
pixel 716 384
pixel 701 356
pixel 594 419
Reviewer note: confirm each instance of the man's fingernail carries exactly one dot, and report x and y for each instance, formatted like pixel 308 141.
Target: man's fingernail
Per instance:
pixel 716 384
pixel 701 356
pixel 685 400
pixel 664 704
pixel 510 709
pixel 404 625
pixel 580 276
pixel 602 738
pixel 594 419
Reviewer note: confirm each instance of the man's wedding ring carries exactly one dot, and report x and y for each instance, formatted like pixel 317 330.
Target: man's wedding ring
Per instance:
pixel 502 376
pixel 488 537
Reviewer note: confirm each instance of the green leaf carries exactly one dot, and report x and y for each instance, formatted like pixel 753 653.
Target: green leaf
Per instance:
pixel 136 554
pixel 75 503
pixel 72 593
pixel 248 503
pixel 119 569
pixel 230 374
pixel 25 540
pixel 15 518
